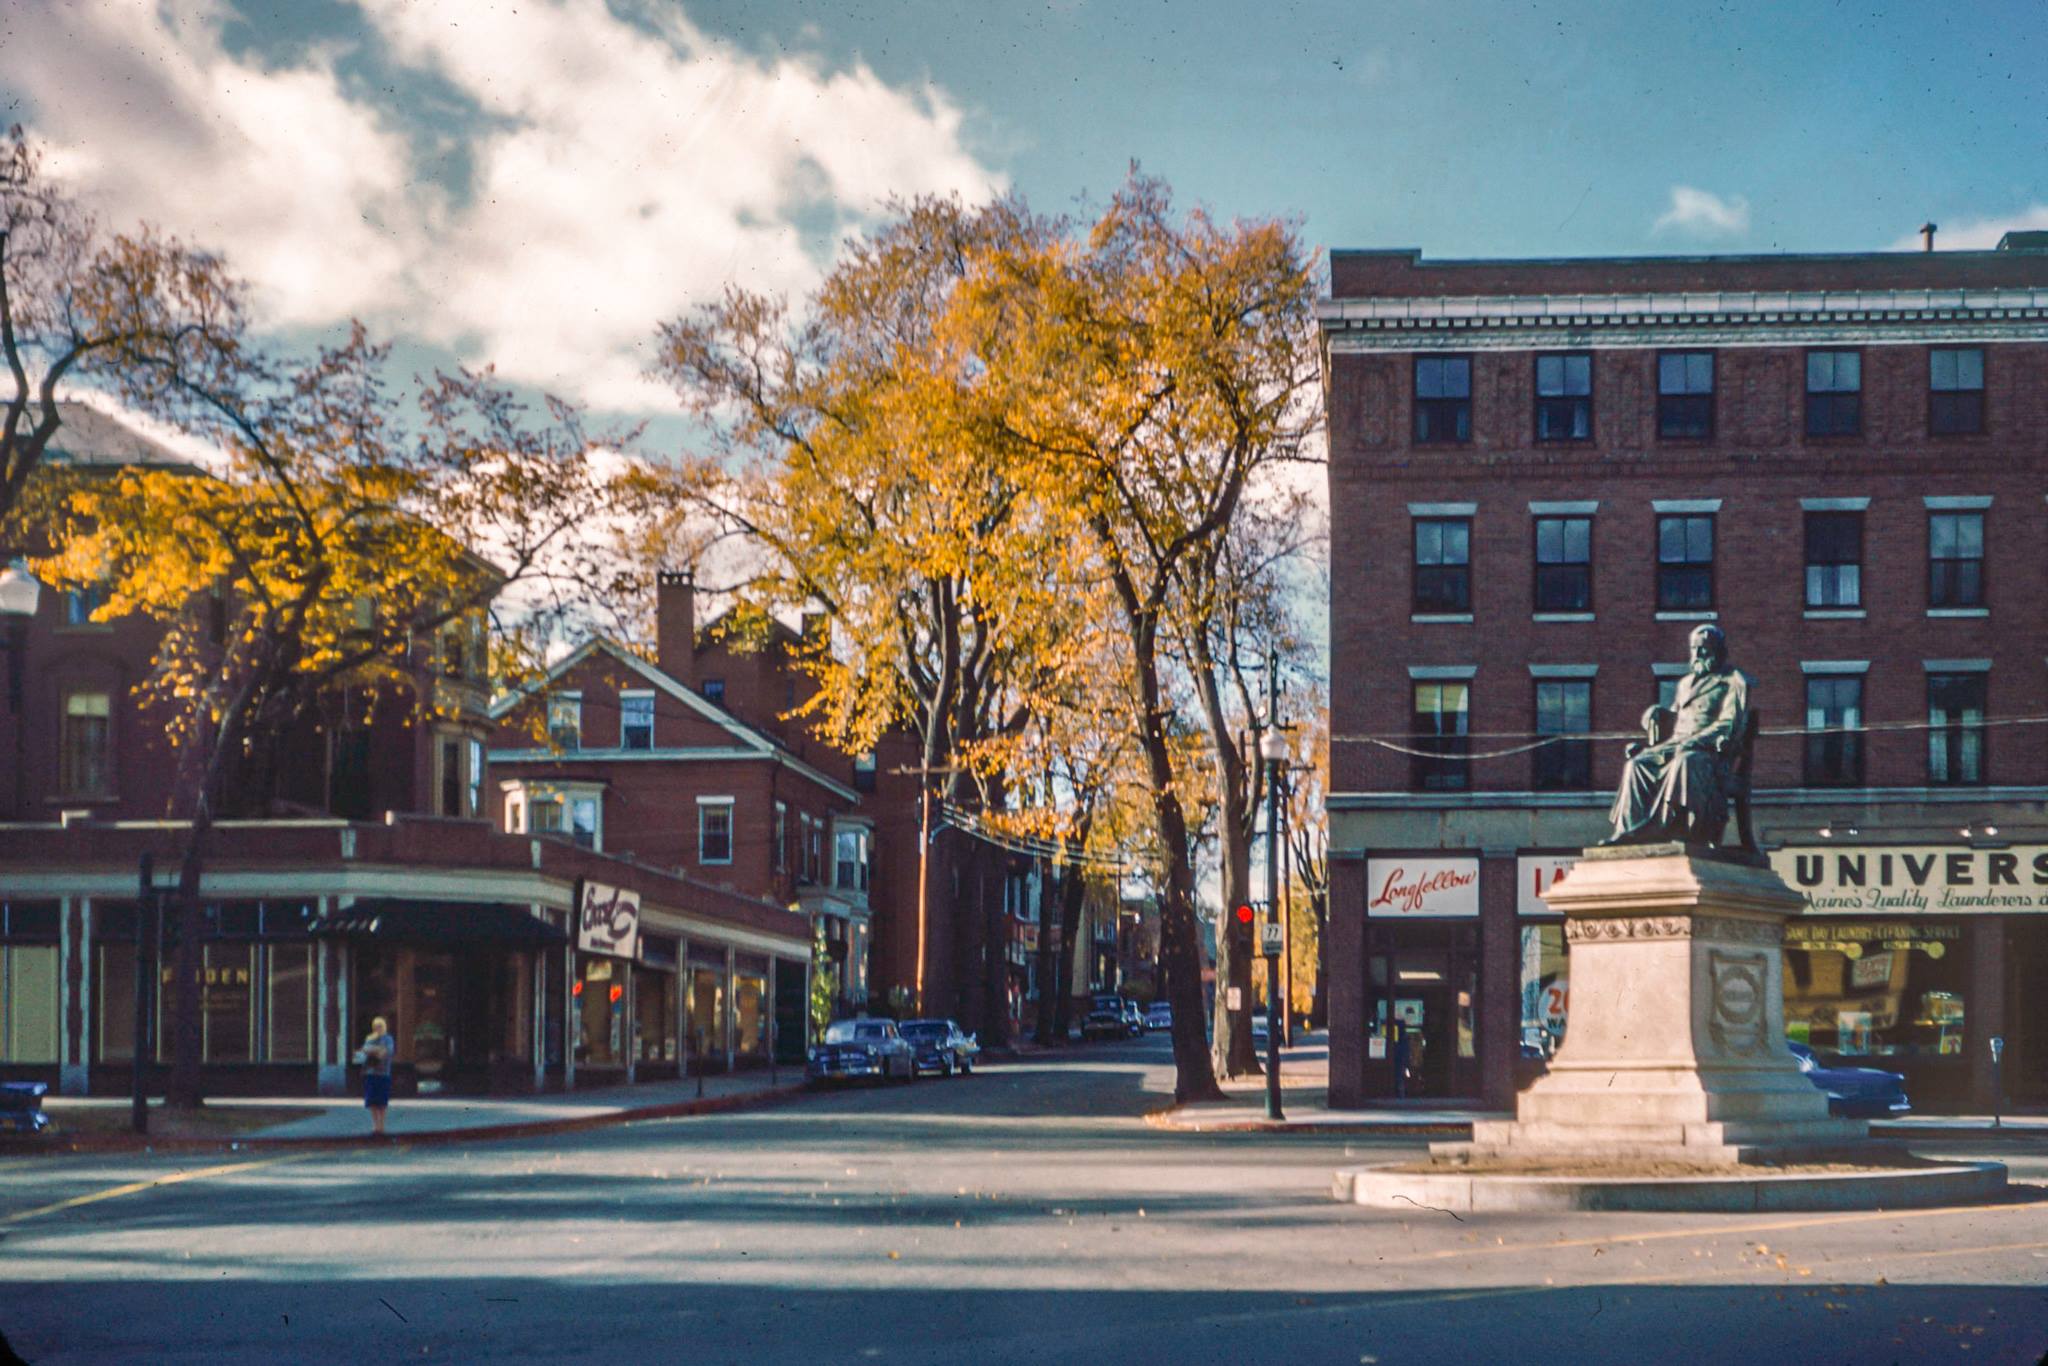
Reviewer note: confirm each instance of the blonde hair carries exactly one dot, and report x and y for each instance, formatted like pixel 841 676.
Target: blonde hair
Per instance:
pixel 377 1025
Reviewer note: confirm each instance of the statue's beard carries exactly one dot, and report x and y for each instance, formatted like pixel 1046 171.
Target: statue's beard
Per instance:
pixel 1702 667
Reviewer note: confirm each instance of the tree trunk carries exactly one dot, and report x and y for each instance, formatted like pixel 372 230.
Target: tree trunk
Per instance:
pixel 1049 945
pixel 1073 894
pixel 1180 948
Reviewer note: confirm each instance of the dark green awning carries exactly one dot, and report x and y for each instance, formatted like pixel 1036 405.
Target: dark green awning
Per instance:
pixel 439 922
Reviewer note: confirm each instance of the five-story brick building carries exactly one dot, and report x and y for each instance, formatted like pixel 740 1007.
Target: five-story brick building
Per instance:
pixel 1543 476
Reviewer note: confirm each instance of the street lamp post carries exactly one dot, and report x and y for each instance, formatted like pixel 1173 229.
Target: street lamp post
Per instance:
pixel 19 596
pixel 1273 752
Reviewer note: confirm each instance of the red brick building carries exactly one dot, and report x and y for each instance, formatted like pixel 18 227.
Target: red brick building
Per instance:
pixel 695 762
pixel 361 880
pixel 652 762
pixel 1543 476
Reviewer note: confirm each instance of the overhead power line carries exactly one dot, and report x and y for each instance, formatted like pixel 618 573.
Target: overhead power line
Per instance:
pixel 972 823
pixel 1535 742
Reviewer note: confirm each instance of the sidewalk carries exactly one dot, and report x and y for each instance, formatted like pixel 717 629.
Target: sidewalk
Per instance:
pixel 1305 1098
pixel 327 1119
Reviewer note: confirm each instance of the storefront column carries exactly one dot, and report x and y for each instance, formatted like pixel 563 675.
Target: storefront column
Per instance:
pixel 1347 985
pixel 629 1027
pixel 1499 1012
pixel 572 1019
pixel 74 953
pixel 731 994
pixel 538 977
pixel 330 1034
pixel 1985 1004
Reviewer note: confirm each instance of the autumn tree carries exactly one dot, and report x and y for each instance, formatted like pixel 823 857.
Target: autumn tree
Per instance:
pixel 1233 620
pixel 324 555
pixel 851 466
pixel 1308 841
pixel 1156 370
pixel 131 313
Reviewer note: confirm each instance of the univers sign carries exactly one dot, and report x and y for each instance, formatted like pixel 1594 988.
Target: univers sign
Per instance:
pixel 1935 879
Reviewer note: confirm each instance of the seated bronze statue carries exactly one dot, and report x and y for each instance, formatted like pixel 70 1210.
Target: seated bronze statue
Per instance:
pixel 1678 784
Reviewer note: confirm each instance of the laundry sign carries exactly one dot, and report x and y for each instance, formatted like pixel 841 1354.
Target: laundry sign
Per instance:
pixel 1904 879
pixel 1422 887
pixel 1535 875
pixel 608 920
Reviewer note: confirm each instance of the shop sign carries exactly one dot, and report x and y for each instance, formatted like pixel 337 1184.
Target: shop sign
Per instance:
pixel 1422 887
pixel 1908 879
pixel 608 920
pixel 1536 874
pixel 1028 936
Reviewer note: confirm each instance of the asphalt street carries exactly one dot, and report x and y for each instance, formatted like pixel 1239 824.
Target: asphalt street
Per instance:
pixel 1023 1215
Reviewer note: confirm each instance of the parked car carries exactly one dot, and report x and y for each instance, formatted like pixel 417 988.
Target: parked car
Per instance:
pixel 861 1048
pixel 1159 1015
pixel 1854 1092
pixel 940 1046
pixel 1105 1019
pixel 1261 1033
pixel 21 1106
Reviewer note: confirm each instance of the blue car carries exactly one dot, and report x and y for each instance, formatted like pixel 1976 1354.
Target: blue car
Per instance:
pixel 1854 1092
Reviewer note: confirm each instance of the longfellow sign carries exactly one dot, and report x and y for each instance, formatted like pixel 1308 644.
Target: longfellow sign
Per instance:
pixel 1422 887
pixel 1907 879
pixel 608 920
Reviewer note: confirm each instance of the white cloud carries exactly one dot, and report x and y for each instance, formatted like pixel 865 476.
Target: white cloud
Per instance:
pixel 1978 234
pixel 1702 213
pixel 622 172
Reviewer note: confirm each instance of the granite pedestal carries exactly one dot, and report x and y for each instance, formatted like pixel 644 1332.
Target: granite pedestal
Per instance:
pixel 1675 1048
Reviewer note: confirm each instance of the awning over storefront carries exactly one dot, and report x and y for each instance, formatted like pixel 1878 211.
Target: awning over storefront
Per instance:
pixel 440 922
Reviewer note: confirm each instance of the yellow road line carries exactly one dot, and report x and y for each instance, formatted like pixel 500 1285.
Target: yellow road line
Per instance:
pixel 1704 1233
pixel 134 1187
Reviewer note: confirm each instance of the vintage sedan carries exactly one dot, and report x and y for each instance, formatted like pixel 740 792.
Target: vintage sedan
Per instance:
pixel 853 1049
pixel 1854 1092
pixel 941 1046
pixel 1105 1020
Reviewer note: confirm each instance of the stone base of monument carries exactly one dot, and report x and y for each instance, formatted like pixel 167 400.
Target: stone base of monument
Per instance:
pixel 1674 1068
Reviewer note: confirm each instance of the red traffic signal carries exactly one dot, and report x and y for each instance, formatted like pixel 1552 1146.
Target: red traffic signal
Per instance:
pixel 1244 915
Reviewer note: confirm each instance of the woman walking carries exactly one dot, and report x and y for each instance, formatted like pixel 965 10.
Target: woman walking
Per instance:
pixel 377 1053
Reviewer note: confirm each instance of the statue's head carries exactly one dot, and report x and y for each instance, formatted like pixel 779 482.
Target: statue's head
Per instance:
pixel 1709 647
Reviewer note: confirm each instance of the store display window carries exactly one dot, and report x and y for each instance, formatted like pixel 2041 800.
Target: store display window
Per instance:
pixel 600 1012
pixel 1545 989
pixel 1863 988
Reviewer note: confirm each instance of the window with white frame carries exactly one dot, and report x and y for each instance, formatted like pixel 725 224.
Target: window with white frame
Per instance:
pixel 850 858
pixel 555 808
pixel 781 837
pixel 565 720
pixel 714 830
pixel 636 720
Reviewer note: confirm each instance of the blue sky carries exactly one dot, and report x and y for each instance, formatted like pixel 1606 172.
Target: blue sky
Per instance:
pixel 540 183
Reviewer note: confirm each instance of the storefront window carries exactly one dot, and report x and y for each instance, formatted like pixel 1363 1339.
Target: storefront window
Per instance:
pixel 114 995
pixel 1544 989
pixel 225 1006
pixel 1863 988
pixel 707 1010
pixel 750 1008
pixel 654 1012
pixel 28 1003
pixel 601 1012
pixel 289 1004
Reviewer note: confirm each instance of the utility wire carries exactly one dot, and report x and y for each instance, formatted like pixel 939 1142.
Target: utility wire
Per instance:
pixel 1536 742
pixel 972 824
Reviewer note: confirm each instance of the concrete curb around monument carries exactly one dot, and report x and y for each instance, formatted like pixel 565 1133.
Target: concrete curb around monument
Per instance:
pixel 1743 1192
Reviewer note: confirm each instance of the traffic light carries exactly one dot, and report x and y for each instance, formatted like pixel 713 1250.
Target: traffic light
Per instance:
pixel 1243 919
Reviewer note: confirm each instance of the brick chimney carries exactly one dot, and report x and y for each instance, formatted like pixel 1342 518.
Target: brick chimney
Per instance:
pixel 675 624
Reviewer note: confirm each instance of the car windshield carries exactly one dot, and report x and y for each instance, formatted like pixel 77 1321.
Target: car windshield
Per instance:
pixel 922 1029
pixel 851 1031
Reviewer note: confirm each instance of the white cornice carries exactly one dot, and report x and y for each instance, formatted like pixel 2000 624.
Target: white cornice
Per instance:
pixel 1766 318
